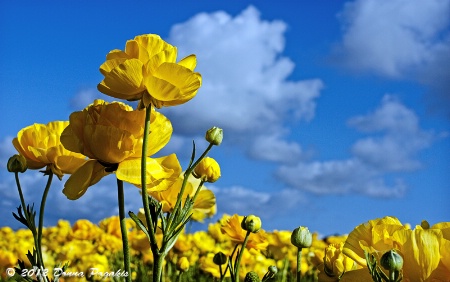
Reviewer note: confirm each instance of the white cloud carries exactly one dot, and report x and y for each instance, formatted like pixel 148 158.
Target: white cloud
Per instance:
pixel 402 139
pixel 397 140
pixel 393 37
pixel 400 39
pixel 246 89
pixel 245 201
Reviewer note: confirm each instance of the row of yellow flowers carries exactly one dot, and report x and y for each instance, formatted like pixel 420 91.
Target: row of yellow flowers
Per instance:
pixel 425 249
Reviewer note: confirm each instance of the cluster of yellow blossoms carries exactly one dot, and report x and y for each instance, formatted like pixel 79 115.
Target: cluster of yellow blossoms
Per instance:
pixel 425 249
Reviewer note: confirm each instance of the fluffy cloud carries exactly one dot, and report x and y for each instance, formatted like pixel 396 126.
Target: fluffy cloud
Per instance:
pixel 245 201
pixel 396 139
pixel 400 39
pixel 245 87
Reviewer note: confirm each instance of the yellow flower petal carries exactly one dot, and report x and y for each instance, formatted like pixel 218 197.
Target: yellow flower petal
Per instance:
pixel 87 175
pixel 421 253
pixel 124 79
pixel 173 84
pixel 189 62
pixel 161 172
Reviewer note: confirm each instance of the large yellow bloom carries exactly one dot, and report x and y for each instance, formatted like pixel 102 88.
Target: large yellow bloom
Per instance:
pixel 425 250
pixel 374 235
pixel 204 205
pixel 111 135
pixel 40 145
pixel 147 70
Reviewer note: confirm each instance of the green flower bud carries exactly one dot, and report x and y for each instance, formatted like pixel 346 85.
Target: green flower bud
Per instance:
pixel 251 223
pixel 251 277
pixel 220 258
pixel 214 135
pixel 17 163
pixel 301 237
pixel 273 269
pixel 392 261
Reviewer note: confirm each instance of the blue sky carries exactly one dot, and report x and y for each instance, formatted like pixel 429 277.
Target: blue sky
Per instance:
pixel 334 112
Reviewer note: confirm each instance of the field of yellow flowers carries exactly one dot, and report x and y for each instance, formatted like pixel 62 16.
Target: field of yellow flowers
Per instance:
pixel 95 250
pixel 114 138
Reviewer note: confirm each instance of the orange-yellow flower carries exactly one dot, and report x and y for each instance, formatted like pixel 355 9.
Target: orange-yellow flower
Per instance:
pixel 204 205
pixel 232 227
pixel 147 70
pixel 111 135
pixel 40 145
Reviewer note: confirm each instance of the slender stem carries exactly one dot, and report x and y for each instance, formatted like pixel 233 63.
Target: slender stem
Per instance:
pixel 123 229
pixel 22 199
pixel 299 264
pixel 183 186
pixel 41 216
pixel 197 191
pixel 32 226
pixel 238 261
pixel 145 202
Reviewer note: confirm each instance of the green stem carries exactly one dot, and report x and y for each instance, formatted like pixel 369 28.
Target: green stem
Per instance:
pixel 299 264
pixel 144 193
pixel 37 236
pixel 22 199
pixel 238 261
pixel 157 267
pixel 123 229
pixel 197 191
pixel 41 216
pixel 187 173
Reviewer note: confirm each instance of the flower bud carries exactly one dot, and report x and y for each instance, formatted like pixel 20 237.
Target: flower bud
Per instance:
pixel 183 264
pixel 251 223
pixel 272 271
pixel 17 163
pixel 391 261
pixel 220 258
pixel 251 277
pixel 301 237
pixel 207 170
pixel 214 135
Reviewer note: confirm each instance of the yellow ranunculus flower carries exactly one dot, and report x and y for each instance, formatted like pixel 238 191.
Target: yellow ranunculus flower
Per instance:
pixel 204 205
pixel 425 250
pixel 40 145
pixel 207 170
pixel 147 70
pixel 373 235
pixel 111 135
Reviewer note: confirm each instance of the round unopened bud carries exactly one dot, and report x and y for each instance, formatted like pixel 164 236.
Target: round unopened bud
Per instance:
pixel 391 261
pixel 17 163
pixel 251 277
pixel 273 270
pixel 251 223
pixel 214 135
pixel 207 170
pixel 183 264
pixel 301 237
pixel 220 258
